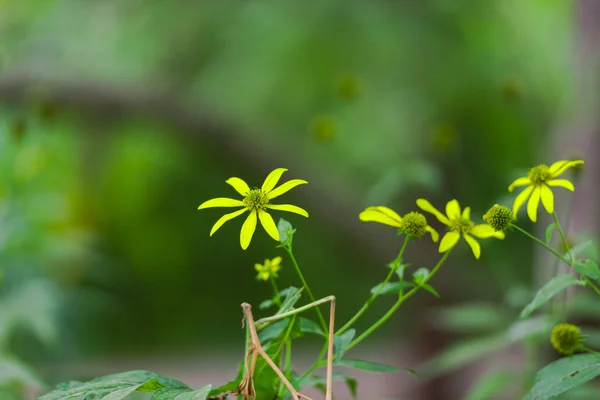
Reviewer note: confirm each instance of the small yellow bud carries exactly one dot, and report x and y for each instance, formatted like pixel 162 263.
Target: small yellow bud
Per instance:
pixel 498 217
pixel 566 338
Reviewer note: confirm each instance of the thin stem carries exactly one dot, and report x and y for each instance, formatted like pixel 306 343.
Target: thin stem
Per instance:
pixel 560 257
pixel 305 285
pixel 374 295
pixel 563 237
pixel 587 349
pixel 401 300
pixel 538 241
pixel 276 297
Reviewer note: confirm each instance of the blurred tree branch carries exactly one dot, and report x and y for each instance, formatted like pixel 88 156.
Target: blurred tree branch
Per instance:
pixel 108 103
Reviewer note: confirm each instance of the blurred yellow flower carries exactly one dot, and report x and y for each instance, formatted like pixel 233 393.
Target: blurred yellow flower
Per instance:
pixel 268 269
pixel 257 201
pixel 539 179
pixel 413 224
pixel 460 224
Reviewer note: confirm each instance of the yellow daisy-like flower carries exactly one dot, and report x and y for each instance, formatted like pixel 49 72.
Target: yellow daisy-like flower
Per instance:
pixel 460 224
pixel 268 269
pixel 412 224
pixel 257 201
pixel 539 179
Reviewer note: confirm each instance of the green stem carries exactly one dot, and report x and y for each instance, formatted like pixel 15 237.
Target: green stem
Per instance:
pixel 276 297
pixel 563 237
pixel 560 257
pixel 587 349
pixel 294 311
pixel 305 285
pixel 401 300
pixel 538 241
pixel 374 295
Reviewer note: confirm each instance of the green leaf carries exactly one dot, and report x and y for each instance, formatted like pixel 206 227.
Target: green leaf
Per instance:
pixel 564 374
pixel 290 300
pixel 390 287
pixel 273 330
pixel 266 304
pixel 554 286
pixel 588 268
pixel 341 342
pixel 490 385
pixel 431 290
pixel 579 249
pixel 372 366
pixel 549 231
pixel 310 326
pixel 182 394
pixel 420 275
pixel 113 387
pixel 286 231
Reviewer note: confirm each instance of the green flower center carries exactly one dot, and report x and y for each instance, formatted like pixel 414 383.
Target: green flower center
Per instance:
pixel 498 217
pixel 539 174
pixel 414 224
pixel 256 199
pixel 461 225
pixel 566 338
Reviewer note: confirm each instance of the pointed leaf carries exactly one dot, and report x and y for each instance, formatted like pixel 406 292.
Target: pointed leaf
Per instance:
pixel 588 268
pixel 372 366
pixel 554 286
pixel 565 374
pixel 390 287
pixel 290 300
pixel 310 326
pixel 341 342
pixel 286 231
pixel 431 290
pixel 420 275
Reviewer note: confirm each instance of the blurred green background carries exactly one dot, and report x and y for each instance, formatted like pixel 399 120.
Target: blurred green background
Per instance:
pixel 118 118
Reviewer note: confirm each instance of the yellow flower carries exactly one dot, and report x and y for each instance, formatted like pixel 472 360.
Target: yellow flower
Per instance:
pixel 539 179
pixel 257 201
pixel 268 269
pixel 413 224
pixel 460 224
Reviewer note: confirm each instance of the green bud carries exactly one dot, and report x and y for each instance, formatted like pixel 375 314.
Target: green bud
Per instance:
pixel 498 217
pixel 414 225
pixel 566 338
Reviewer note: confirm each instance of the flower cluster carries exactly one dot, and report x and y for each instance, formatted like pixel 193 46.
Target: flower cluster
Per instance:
pixel 268 269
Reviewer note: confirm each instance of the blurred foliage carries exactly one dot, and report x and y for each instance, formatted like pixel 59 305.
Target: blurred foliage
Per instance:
pixel 101 248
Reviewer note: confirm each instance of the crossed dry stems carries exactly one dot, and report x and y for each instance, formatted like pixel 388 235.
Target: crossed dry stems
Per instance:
pixel 246 386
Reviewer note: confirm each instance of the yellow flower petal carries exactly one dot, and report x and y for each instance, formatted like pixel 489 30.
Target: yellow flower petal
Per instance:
pixel 557 165
pixel 519 182
pixel 381 214
pixel 276 261
pixel 475 247
pixel 226 218
pixel 288 208
pixel 221 202
pixel 258 267
pixel 562 183
pixel 272 179
pixel 267 222
pixel 521 198
pixel 248 230
pixel 533 203
pixel 449 241
pixel 547 198
pixel 426 206
pixel 285 187
pixel 453 209
pixel 264 275
pixel 466 213
pixel 483 231
pixel 560 168
pixel 499 235
pixel 239 185
pixel 434 235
